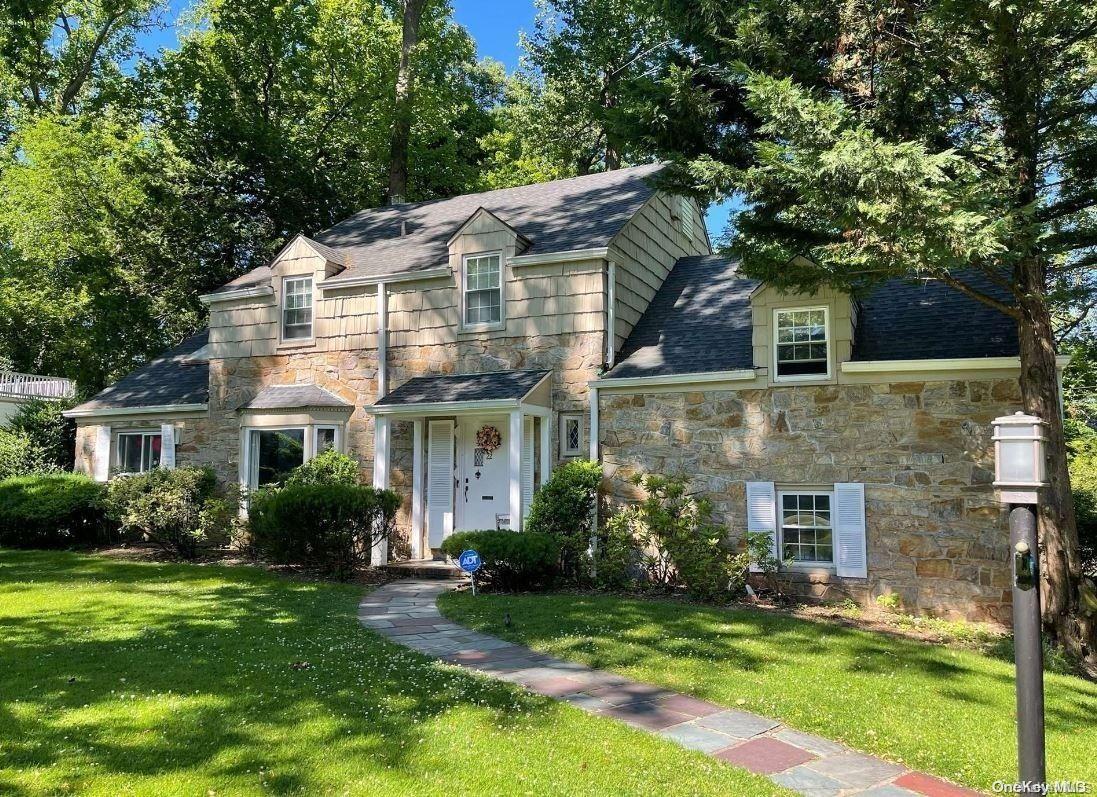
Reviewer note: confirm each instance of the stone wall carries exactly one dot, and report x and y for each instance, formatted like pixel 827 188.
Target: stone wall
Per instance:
pixel 191 440
pixel 936 535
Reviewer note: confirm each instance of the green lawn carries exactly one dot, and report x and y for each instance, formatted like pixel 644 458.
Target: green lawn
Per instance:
pixel 931 707
pixel 122 678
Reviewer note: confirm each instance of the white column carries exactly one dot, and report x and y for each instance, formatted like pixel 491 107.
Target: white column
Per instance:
pixel 593 424
pixel 545 422
pixel 611 313
pixel 417 490
pixel 381 432
pixel 515 444
pixel 382 340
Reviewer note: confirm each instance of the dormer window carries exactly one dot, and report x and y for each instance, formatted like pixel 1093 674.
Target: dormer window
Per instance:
pixel 482 279
pixel 802 343
pixel 297 308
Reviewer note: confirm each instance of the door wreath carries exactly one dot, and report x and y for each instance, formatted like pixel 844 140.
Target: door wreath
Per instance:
pixel 489 439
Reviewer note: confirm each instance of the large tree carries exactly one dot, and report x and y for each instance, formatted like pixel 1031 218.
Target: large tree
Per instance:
pixel 949 141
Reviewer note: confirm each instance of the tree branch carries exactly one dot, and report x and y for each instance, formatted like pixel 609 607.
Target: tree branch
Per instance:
pixel 977 295
pixel 77 81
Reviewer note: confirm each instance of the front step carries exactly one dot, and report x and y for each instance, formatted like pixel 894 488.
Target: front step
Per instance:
pixel 424 568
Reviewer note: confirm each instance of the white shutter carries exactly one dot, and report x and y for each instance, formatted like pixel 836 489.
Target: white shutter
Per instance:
pixel 527 466
pixel 167 446
pixel 850 554
pixel 762 513
pixel 101 466
pixel 439 481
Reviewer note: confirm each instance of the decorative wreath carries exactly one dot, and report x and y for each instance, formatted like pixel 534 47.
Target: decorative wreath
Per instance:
pixel 488 438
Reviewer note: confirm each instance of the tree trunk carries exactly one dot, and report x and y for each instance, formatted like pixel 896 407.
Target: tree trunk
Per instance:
pixel 405 90
pixel 1061 574
pixel 613 147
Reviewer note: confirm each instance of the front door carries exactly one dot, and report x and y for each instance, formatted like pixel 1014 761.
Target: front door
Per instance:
pixel 484 476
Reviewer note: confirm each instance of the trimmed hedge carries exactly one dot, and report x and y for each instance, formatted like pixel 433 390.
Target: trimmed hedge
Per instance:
pixel 331 527
pixel 512 560
pixel 53 510
pixel 327 467
pixel 564 507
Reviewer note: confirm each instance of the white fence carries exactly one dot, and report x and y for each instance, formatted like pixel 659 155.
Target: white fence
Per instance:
pixel 18 385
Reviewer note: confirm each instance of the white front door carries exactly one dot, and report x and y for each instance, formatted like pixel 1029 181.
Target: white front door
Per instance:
pixel 483 487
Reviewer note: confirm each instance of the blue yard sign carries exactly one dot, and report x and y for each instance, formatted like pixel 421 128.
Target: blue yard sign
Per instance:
pixel 469 561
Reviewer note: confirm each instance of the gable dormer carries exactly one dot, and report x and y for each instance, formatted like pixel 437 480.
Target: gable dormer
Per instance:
pixel 801 338
pixel 480 252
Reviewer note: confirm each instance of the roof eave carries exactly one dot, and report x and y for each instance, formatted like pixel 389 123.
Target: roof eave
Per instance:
pixel 152 409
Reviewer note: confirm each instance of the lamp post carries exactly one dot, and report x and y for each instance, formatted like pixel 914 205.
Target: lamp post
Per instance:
pixel 1019 475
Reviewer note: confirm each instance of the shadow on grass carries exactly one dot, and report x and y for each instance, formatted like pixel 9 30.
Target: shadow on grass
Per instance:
pixel 134 670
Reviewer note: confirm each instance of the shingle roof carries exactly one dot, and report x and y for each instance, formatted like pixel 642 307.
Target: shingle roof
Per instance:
pixel 463 387
pixel 280 397
pixel 700 321
pixel 903 320
pixel 577 213
pixel 172 378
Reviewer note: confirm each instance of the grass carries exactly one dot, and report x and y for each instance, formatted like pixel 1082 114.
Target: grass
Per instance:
pixel 128 678
pixel 932 707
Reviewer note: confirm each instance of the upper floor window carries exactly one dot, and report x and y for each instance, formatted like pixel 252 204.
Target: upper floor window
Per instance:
pixel 802 343
pixel 297 308
pixel 483 289
pixel 138 452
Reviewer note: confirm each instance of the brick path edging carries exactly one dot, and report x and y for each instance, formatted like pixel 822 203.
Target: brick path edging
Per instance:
pixel 406 612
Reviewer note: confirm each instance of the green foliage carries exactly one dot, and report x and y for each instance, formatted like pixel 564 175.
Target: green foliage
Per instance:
pixel 682 545
pixel 564 507
pixel 52 510
pixel 19 456
pixel 1082 443
pixel 179 509
pixel 618 558
pixel 511 560
pixel 40 421
pixel 327 467
pixel 331 527
pixel 889 601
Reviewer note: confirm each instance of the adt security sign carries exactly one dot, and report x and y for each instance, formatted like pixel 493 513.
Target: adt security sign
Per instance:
pixel 470 562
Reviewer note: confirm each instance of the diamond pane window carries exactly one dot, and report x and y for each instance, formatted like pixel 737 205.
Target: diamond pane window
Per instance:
pixel 806 531
pixel 483 289
pixel 571 435
pixel 801 343
pixel 297 308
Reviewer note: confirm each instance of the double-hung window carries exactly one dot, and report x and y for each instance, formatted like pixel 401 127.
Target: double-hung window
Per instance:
pixel 297 308
pixel 802 343
pixel 138 452
pixel 483 289
pixel 807 533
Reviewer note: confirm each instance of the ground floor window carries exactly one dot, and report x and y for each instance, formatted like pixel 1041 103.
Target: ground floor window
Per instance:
pixel 806 530
pixel 138 452
pixel 274 453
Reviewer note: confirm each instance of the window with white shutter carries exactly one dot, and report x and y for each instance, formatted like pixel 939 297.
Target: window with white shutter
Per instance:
pixel 167 446
pixel 101 463
pixel 527 465
pixel 439 481
pixel 762 513
pixel 851 554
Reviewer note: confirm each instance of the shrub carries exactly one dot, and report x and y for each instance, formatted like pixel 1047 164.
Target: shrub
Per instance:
pixel 682 543
pixel 617 556
pixel 327 467
pixel 1082 444
pixel 512 560
pixel 40 422
pixel 179 509
pixel 564 507
pixel 19 456
pixel 52 510
pixel 331 527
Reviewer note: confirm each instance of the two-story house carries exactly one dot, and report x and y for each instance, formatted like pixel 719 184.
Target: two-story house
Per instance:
pixel 460 348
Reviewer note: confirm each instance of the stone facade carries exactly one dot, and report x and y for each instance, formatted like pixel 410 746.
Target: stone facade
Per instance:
pixel 936 534
pixel 192 437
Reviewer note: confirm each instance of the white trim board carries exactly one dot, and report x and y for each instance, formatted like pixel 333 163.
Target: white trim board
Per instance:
pixel 163 409
pixel 241 293
pixel 408 276
pixel 567 256
pixel 953 364
pixel 739 375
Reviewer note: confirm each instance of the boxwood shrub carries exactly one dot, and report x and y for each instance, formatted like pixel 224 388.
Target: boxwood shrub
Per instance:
pixel 53 510
pixel 330 527
pixel 511 560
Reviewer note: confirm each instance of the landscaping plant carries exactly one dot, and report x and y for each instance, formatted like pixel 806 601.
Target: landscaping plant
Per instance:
pixel 327 467
pixel 511 560
pixel 330 527
pixel 52 510
pixel 179 509
pixel 564 507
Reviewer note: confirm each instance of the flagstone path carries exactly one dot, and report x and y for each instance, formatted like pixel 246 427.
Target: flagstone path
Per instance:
pixel 406 612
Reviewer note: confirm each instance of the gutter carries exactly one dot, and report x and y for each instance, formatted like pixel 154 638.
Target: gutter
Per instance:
pixel 739 375
pixel 242 293
pixel 950 364
pixel 568 256
pixel 409 276
pixel 160 409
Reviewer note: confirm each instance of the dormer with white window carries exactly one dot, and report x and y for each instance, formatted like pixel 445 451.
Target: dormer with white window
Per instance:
pixel 800 338
pixel 479 254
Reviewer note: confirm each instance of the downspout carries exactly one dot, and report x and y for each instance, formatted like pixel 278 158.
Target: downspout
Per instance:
pixel 611 314
pixel 382 340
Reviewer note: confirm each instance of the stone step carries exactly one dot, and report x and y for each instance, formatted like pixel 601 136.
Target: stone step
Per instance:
pixel 425 568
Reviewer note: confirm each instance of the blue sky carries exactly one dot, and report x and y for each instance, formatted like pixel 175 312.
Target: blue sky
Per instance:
pixel 494 24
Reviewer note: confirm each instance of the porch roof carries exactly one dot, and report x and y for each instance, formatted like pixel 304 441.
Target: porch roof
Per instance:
pixel 461 391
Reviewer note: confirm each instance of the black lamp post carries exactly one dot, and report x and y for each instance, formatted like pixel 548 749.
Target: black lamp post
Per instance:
pixel 1019 475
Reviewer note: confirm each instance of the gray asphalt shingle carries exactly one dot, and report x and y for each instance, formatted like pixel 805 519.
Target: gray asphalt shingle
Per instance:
pixel 464 387
pixel 280 397
pixel 172 378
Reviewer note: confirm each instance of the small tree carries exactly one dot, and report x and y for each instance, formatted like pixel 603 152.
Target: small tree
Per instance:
pixel 564 506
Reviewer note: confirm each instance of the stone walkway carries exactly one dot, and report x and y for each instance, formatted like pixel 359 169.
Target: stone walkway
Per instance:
pixel 406 612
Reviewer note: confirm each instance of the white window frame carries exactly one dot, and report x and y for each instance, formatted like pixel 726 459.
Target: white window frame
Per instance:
pixel 250 475
pixel 285 309
pixel 776 376
pixel 483 325
pixel 814 564
pixel 565 452
pixel 142 433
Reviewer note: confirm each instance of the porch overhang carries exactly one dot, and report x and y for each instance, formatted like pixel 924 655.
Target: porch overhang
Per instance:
pixel 462 394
